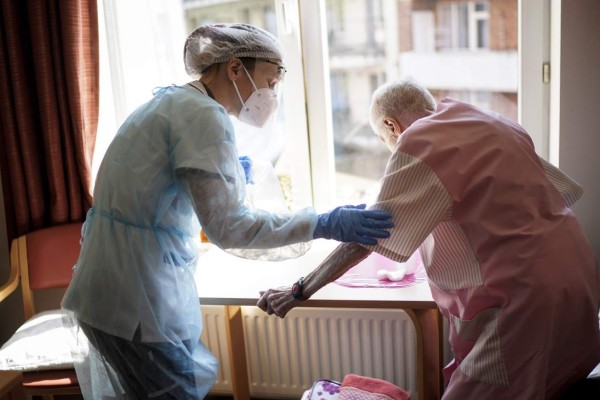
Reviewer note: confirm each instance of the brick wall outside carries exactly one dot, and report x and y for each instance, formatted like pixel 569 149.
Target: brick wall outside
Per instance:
pixel 404 25
pixel 503 24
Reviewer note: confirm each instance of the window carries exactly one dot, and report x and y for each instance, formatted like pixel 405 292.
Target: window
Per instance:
pixel 335 18
pixel 463 25
pixel 338 52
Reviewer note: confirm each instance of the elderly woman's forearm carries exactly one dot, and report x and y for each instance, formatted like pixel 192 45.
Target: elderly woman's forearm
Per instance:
pixel 340 260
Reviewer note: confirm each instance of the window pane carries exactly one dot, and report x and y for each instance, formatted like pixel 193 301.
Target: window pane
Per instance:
pixel 482 34
pixel 438 43
pixel 443 29
pixel 462 25
pixel 269 143
pixel 480 6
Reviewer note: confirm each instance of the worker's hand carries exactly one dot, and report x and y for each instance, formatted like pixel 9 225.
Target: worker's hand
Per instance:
pixel 277 301
pixel 354 224
pixel 247 165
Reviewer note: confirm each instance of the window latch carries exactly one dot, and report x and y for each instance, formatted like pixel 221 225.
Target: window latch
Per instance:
pixel 546 72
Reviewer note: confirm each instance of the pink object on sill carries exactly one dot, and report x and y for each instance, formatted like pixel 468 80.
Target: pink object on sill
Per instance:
pixel 368 272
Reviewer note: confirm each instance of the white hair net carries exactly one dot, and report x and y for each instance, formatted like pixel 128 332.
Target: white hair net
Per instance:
pixel 217 43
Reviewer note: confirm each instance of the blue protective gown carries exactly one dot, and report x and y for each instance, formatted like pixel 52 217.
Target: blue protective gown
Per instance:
pixel 172 164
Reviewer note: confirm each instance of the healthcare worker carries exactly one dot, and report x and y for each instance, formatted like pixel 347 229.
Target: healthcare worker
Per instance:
pixel 172 168
pixel 507 261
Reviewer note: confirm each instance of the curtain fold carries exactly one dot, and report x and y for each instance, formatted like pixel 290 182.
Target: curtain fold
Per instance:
pixel 49 104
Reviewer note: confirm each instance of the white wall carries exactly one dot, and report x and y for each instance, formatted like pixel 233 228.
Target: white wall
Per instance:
pixel 579 150
pixel 490 70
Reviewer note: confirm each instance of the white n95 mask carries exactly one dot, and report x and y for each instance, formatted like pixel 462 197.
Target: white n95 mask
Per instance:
pixel 259 107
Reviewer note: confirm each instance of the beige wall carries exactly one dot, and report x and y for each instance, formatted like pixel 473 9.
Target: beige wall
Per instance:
pixel 580 108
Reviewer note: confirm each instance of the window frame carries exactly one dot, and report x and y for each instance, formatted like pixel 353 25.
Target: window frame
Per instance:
pixel 533 93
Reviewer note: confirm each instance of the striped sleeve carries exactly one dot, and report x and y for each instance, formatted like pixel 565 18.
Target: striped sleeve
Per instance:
pixel 570 190
pixel 418 201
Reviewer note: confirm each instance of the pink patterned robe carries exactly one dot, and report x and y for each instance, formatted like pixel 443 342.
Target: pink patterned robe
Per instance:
pixel 507 261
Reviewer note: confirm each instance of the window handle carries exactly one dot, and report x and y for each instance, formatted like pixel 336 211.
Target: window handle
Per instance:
pixel 546 72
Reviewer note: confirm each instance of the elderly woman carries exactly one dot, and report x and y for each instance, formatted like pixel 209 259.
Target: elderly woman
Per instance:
pixel 173 167
pixel 507 261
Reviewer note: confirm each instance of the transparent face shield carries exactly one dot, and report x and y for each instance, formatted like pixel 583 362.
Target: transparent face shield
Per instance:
pixel 263 102
pixel 281 70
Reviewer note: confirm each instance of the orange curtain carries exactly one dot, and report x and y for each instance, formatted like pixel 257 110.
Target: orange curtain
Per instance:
pixel 49 102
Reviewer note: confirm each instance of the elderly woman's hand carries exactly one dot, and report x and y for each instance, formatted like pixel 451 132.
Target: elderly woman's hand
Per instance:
pixel 277 301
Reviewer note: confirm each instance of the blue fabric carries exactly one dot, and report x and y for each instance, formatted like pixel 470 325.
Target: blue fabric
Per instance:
pixel 139 247
pixel 247 166
pixel 140 239
pixel 170 371
pixel 135 276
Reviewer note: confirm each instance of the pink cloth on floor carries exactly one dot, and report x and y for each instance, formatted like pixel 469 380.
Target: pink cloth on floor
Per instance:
pixel 364 274
pixel 356 387
pixel 323 389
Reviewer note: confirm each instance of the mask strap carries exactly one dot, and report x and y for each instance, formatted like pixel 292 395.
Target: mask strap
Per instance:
pixel 239 96
pixel 253 84
pixel 236 88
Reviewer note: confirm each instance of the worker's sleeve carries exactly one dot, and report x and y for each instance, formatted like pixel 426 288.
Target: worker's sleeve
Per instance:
pixel 417 200
pixel 229 224
pixel 570 190
pixel 205 161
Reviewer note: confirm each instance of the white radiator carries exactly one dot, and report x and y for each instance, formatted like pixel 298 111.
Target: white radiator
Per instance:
pixel 286 356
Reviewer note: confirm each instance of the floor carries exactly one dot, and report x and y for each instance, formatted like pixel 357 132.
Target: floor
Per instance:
pixel 228 398
pixel 74 397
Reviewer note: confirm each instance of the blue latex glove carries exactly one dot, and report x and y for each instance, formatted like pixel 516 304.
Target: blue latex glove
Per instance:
pixel 353 224
pixel 247 165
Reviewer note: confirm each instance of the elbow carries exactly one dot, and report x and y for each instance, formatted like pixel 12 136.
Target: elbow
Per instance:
pixel 226 240
pixel 227 235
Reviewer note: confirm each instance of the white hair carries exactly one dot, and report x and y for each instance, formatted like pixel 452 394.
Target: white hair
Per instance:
pixel 404 99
